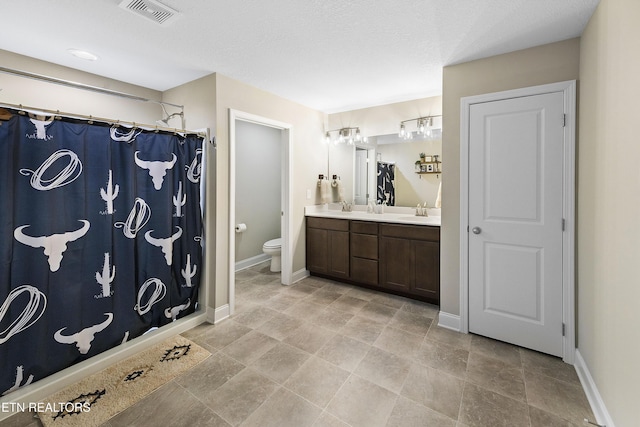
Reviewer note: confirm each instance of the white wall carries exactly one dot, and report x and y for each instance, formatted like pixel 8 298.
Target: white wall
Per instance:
pixel 258 186
pixel 608 244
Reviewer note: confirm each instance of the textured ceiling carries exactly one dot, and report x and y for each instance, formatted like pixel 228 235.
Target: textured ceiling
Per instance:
pixel 331 55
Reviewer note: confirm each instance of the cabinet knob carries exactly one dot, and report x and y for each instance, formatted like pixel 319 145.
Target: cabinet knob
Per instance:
pixel 476 230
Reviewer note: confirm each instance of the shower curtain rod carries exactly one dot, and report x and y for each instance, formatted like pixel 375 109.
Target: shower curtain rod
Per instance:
pixel 83 86
pixel 23 109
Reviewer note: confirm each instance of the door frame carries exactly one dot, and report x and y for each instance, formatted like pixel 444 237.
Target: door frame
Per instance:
pixel 568 88
pixel 285 197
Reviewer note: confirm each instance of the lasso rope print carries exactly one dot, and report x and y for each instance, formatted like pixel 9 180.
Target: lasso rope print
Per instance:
pixel 103 240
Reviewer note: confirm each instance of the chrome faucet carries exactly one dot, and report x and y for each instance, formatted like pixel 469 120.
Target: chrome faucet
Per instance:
pixel 346 207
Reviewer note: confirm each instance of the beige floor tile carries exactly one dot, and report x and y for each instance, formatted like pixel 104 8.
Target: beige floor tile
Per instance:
pixel 484 408
pixel 205 378
pixel 421 308
pixel 317 381
pixel 383 368
pixel 496 375
pixel 280 362
pixel 508 353
pixel 169 405
pixel 304 309
pixel 550 366
pixel 434 389
pixel 328 420
pixel 362 403
pixel 250 347
pixel 410 322
pixel 563 399
pixel 224 333
pixel 255 317
pixel 240 396
pixel 391 300
pixel 540 418
pixel 407 413
pixel 444 357
pixel 283 301
pixel 399 342
pixel 325 296
pixel 309 338
pixel 378 312
pixel 284 409
pixel 280 326
pixel 302 288
pixel 362 329
pixel 344 352
pixel 362 293
pixel 447 336
pixel 331 318
pixel 349 304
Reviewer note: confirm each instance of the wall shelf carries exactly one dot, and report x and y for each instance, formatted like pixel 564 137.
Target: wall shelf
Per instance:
pixel 429 168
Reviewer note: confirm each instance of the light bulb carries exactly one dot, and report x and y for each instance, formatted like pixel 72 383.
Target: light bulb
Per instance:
pixel 421 126
pixel 402 131
pixel 327 138
pixel 358 136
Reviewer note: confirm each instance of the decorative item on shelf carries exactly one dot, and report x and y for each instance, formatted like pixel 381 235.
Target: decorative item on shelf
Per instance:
pixel 424 127
pixel 345 136
pixel 423 157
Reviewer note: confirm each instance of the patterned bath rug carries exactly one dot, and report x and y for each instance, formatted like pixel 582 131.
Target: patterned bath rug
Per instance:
pixel 97 398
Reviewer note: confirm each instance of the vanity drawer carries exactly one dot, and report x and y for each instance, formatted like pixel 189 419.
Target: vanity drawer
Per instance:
pixel 363 227
pixel 414 232
pixel 328 223
pixel 364 245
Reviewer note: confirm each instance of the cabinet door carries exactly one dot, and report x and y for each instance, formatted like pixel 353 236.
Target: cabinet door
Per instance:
pixel 317 250
pixel 427 269
pixel 338 253
pixel 395 263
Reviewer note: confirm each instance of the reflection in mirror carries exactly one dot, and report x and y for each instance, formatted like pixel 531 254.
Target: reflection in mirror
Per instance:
pixel 357 165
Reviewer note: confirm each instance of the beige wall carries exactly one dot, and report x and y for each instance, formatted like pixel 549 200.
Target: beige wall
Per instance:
pixel 609 206
pixel 199 100
pixel 35 93
pixel 308 159
pixel 530 67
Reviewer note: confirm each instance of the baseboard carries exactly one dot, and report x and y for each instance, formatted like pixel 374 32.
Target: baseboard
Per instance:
pixel 449 321
pixel 250 262
pixel 591 390
pixel 220 314
pixel 47 386
pixel 299 275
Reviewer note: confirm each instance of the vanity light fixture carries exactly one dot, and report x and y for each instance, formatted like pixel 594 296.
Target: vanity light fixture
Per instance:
pixel 424 126
pixel 345 136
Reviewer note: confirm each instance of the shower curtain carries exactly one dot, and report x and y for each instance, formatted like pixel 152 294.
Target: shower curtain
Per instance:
pixel 101 239
pixel 386 184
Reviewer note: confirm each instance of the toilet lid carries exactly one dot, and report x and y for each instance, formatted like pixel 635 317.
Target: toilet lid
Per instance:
pixel 274 243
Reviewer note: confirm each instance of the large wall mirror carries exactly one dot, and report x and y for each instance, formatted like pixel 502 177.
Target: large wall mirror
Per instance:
pixel 385 169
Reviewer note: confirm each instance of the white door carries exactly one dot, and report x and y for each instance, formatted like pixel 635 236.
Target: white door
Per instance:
pixel 515 221
pixel 360 175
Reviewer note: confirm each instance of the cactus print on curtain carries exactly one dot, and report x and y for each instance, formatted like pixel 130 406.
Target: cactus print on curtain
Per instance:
pixel 101 239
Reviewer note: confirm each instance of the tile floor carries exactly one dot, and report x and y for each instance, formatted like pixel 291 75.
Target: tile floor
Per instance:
pixel 324 354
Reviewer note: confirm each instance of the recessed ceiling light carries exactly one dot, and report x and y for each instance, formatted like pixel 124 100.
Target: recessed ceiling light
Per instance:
pixel 83 54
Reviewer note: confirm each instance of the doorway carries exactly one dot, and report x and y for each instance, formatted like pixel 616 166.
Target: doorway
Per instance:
pixel 517 217
pixel 240 119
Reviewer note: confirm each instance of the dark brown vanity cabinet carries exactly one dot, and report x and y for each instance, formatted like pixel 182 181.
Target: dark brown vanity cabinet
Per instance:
pixel 410 260
pixel 398 258
pixel 328 247
pixel 364 252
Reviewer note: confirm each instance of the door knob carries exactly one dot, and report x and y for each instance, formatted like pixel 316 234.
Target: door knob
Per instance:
pixel 476 230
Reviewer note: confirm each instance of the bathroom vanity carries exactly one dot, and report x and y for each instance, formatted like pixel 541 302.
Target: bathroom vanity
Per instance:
pixel 391 252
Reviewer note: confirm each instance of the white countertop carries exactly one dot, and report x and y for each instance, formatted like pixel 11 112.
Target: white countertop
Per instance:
pixel 392 214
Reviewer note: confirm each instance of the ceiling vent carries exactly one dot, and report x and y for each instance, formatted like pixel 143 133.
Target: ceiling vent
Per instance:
pixel 151 9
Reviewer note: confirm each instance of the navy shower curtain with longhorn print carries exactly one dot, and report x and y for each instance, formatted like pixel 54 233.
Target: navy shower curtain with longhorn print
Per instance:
pixel 101 239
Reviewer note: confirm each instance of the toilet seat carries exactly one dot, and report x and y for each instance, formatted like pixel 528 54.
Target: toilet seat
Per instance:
pixel 273 244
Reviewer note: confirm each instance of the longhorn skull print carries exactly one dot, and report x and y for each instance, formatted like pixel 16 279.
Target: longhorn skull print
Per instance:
pixel 157 169
pixel 53 245
pixel 84 338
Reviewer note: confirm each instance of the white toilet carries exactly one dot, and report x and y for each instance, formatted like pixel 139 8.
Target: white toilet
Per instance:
pixel 273 248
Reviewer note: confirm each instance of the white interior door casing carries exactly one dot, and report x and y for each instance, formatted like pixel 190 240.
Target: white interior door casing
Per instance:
pixel 525 217
pixel 516 208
